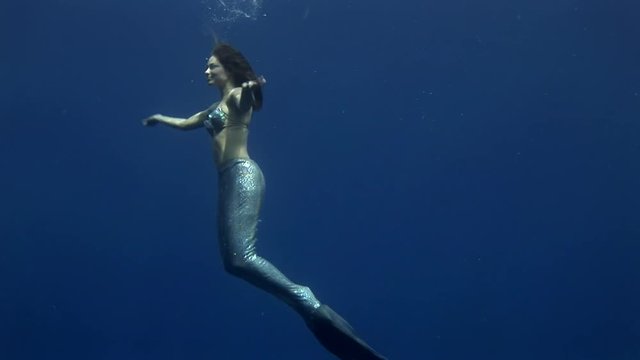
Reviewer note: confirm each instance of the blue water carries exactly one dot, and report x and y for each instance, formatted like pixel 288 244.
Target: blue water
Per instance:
pixel 459 179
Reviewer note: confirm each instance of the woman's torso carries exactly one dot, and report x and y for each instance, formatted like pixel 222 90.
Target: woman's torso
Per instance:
pixel 230 131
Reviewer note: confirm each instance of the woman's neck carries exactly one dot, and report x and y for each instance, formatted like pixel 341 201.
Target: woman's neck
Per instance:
pixel 226 89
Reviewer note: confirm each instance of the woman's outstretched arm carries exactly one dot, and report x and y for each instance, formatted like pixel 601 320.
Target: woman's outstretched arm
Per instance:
pixel 244 98
pixel 195 121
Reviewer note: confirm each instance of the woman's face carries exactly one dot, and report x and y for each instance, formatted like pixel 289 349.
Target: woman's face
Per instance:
pixel 216 75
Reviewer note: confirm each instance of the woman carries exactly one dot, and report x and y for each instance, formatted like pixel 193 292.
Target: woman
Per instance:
pixel 240 193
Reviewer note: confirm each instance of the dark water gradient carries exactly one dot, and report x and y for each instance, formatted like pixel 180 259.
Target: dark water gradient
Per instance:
pixel 459 179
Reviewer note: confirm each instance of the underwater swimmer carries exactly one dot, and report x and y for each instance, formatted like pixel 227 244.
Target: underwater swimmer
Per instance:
pixel 240 192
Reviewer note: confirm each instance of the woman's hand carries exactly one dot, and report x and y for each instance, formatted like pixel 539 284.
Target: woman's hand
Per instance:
pixel 151 120
pixel 253 83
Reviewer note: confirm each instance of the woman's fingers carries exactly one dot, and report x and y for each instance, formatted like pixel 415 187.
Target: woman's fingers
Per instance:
pixel 253 83
pixel 150 121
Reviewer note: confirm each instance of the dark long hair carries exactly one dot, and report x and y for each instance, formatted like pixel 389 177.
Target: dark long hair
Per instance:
pixel 239 69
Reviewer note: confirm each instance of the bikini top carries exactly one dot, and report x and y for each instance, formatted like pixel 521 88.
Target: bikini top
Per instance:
pixel 217 120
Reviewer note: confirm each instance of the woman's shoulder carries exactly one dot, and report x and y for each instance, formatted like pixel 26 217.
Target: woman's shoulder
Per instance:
pixel 235 94
pixel 232 100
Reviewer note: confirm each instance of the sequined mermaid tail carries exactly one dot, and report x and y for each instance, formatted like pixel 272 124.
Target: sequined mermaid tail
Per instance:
pixel 240 197
pixel 241 190
pixel 337 336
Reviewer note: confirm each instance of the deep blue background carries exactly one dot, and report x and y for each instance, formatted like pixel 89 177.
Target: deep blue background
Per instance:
pixel 459 179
